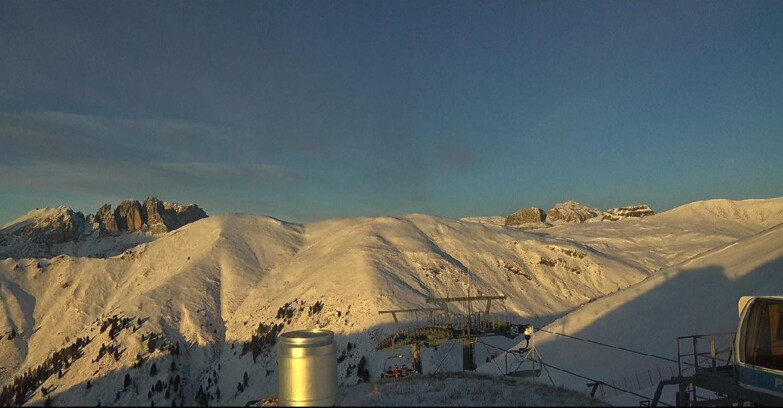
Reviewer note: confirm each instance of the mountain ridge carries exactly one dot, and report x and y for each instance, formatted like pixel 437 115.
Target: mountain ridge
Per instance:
pixel 48 232
pixel 222 284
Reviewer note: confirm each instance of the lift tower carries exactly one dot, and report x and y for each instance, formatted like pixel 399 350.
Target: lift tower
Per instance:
pixel 442 326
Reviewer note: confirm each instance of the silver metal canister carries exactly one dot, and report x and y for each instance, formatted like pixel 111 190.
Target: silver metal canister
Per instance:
pixel 307 368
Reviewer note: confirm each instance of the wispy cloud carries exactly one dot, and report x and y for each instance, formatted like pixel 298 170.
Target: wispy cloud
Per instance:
pixel 105 155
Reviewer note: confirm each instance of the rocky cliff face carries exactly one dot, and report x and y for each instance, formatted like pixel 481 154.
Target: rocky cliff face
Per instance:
pixel 530 215
pixel 572 212
pixel 49 232
pixel 154 216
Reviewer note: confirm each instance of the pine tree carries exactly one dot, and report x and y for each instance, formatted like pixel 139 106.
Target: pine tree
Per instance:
pixel 153 370
pixel 126 382
pixel 244 379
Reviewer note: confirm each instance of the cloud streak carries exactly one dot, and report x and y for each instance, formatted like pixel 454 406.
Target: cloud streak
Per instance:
pixel 99 155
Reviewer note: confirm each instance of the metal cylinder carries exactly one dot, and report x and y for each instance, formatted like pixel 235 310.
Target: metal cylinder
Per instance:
pixel 307 368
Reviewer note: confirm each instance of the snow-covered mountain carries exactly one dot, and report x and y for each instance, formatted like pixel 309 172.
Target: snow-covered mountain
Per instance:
pixel 204 302
pixel 697 296
pixel 48 232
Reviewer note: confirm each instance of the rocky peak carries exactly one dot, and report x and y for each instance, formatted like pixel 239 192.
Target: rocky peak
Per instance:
pixel 530 215
pixel 57 225
pixel 163 217
pixel 105 219
pixel 130 216
pixel 572 212
pixel 40 232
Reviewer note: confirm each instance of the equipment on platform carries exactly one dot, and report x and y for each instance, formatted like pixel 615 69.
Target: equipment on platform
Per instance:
pixel 747 367
pixel 442 326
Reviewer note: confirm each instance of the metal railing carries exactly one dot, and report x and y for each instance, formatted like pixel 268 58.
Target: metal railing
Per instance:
pixel 704 351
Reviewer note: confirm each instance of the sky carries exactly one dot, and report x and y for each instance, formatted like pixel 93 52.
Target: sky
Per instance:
pixel 313 110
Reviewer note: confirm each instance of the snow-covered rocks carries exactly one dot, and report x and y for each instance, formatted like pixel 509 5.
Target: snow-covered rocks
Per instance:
pixel 35 232
pixel 633 211
pixel 572 212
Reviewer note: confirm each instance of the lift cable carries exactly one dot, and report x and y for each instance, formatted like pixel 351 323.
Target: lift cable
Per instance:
pixel 609 345
pixel 602 383
pixel 545 365
pixel 444 356
pixel 493 360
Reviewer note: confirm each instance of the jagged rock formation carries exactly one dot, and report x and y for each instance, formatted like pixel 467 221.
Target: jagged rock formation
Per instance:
pixel 163 217
pixel 49 232
pixel 154 216
pixel 572 212
pixel 528 215
pixel 633 211
pixel 130 216
pixel 105 219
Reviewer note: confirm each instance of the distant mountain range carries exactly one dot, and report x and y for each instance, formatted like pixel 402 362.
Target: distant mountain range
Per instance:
pixel 181 316
pixel 569 212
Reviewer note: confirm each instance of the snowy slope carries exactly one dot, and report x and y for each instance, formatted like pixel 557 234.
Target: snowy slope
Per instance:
pixel 697 297
pixel 212 285
pixel 676 235
pixel 492 220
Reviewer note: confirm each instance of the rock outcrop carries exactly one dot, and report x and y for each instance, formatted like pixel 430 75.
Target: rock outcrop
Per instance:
pixel 130 216
pixel 46 232
pixel 105 219
pixel 63 225
pixel 39 229
pixel 154 215
pixel 572 212
pixel 530 215
pixel 164 217
pixel 633 211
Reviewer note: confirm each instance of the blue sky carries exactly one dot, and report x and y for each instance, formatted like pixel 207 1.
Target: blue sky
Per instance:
pixel 312 110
